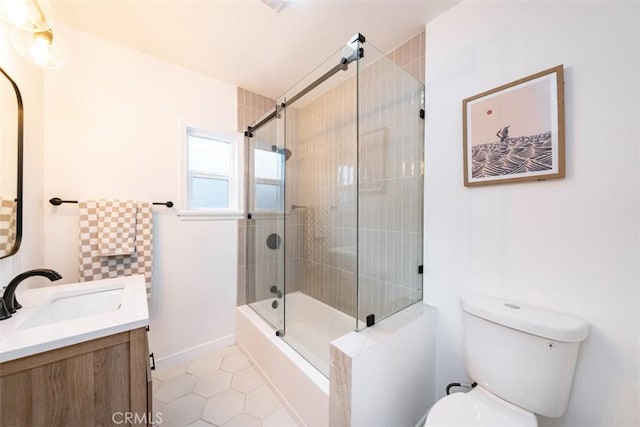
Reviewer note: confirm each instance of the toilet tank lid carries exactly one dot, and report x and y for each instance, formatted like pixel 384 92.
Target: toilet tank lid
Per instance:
pixel 533 320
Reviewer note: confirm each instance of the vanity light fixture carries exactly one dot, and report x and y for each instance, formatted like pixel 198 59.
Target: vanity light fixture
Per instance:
pixel 28 15
pixel 32 35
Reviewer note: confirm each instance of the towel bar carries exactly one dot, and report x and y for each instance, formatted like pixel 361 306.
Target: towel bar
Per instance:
pixel 57 201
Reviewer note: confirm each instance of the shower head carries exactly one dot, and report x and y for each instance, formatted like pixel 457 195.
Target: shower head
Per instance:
pixel 284 151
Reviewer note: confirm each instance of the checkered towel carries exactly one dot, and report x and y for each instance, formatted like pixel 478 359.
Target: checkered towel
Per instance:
pixel 116 227
pixel 94 266
pixel 7 225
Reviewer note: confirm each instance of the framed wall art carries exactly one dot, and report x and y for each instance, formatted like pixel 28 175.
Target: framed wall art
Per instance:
pixel 515 132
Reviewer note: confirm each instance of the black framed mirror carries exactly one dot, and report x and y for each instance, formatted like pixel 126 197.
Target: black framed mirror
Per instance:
pixel 11 165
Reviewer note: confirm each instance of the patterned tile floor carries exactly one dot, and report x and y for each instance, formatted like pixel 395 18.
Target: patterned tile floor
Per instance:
pixel 219 389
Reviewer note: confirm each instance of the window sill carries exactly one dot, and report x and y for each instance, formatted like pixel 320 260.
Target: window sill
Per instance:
pixel 209 215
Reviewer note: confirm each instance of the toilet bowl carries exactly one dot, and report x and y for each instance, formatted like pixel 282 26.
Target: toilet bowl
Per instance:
pixel 478 408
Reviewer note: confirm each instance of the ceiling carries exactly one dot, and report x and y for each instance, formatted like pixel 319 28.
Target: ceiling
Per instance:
pixel 246 42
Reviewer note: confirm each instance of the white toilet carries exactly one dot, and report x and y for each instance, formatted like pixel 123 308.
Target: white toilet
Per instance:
pixel 523 359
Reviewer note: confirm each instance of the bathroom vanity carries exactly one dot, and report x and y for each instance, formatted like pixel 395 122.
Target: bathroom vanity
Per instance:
pixel 77 354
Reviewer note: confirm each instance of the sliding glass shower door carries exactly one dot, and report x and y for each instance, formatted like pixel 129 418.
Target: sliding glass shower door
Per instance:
pixel 265 225
pixel 321 203
pixel 335 196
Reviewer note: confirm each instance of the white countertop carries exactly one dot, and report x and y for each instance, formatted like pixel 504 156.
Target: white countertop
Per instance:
pixel 17 341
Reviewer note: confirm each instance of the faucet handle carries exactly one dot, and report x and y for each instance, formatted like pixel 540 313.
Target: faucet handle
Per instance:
pixel 16 304
pixel 4 312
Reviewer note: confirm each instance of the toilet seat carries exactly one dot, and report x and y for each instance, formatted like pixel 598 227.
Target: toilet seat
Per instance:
pixel 478 408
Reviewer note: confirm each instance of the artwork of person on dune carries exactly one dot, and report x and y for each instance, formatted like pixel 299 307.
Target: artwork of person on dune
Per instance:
pixel 510 132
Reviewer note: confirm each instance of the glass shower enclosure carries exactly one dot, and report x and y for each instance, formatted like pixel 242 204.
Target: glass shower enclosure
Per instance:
pixel 335 201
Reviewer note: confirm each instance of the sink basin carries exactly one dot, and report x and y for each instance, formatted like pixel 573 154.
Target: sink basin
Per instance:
pixel 75 306
pixel 58 316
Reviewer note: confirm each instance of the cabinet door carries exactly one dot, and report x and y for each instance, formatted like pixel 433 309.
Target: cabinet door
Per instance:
pixel 83 384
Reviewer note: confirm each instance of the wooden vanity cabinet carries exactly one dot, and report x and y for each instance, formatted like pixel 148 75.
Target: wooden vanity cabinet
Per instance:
pixel 96 382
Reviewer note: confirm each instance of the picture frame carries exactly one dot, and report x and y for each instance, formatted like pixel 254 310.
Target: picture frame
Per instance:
pixel 515 132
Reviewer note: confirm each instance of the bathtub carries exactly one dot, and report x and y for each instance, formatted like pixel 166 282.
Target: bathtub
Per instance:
pixel 304 390
pixel 299 376
pixel 311 326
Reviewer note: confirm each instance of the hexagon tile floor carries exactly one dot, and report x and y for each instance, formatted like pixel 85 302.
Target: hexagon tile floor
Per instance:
pixel 220 389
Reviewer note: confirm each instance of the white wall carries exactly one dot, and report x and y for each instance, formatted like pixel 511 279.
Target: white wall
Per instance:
pixel 29 80
pixel 384 375
pixel 570 245
pixel 112 130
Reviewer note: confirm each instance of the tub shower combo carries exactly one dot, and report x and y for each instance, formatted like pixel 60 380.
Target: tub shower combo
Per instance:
pixel 335 201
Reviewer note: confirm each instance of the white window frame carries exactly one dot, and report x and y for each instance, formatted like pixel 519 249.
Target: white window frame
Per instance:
pixel 235 177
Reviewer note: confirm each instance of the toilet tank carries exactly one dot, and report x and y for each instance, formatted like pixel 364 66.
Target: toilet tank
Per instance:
pixel 525 355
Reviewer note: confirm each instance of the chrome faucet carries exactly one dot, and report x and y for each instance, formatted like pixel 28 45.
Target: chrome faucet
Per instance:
pixel 8 303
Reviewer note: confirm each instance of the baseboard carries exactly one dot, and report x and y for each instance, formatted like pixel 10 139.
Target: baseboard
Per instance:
pixel 194 352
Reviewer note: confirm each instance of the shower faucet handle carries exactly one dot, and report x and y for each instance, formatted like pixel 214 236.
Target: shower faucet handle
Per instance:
pixel 274 290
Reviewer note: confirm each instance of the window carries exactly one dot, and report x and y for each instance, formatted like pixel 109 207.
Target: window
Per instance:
pixel 268 169
pixel 211 170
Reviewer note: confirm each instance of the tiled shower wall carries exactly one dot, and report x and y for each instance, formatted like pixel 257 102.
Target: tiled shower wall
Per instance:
pixel 389 227
pixel 326 145
pixel 250 107
pixel 321 236
pixel 410 56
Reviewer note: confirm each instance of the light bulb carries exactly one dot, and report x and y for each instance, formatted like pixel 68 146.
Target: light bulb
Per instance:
pixel 42 48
